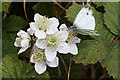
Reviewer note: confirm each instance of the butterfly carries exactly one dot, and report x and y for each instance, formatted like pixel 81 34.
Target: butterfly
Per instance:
pixel 84 22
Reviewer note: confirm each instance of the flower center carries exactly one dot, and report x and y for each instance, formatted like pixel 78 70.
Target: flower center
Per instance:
pixel 18 41
pixel 52 40
pixel 43 23
pixel 39 56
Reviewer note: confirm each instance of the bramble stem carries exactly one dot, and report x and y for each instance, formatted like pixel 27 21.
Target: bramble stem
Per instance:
pixel 69 69
pixel 31 55
pixel 63 62
pixel 25 11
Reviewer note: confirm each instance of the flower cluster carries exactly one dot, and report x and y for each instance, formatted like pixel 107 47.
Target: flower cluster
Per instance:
pixel 49 40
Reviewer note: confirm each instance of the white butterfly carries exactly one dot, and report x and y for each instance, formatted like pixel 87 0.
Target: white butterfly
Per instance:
pixel 84 22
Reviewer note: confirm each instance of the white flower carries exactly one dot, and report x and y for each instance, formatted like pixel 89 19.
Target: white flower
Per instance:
pixel 71 41
pixel 43 24
pixel 53 43
pixel 41 62
pixel 22 41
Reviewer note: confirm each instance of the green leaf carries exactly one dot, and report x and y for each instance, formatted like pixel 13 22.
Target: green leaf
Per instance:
pixel 13 23
pixel 12 67
pixel 94 50
pixel 6 5
pixel 10 24
pixel 100 3
pixel 90 51
pixel 111 61
pixel 111 16
pixel 44 10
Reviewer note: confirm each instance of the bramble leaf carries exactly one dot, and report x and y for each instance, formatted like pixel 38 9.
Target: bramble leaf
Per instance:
pixel 12 67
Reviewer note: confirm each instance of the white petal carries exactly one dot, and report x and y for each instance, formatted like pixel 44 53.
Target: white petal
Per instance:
pixel 41 43
pixel 63 27
pixel 15 43
pixel 32 59
pixel 40 34
pixel 23 34
pixel 63 48
pixel 77 40
pixel 52 30
pixel 63 35
pixel 25 43
pixel 55 21
pixel 33 26
pixel 73 49
pixel 30 31
pixel 22 49
pixel 53 63
pixel 50 53
pixel 40 67
pixel 37 16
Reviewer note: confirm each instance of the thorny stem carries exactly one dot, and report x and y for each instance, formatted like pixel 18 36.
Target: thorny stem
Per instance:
pixel 58 4
pixel 69 69
pixel 63 62
pixel 63 10
pixel 31 55
pixel 25 11
pixel 92 72
pixel 59 71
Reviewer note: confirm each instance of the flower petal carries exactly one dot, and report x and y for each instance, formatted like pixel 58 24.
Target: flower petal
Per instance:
pixel 15 43
pixel 50 53
pixel 52 30
pixel 30 31
pixel 25 42
pixel 55 21
pixel 63 27
pixel 40 34
pixel 77 40
pixel 23 34
pixel 23 49
pixel 73 49
pixel 63 48
pixel 53 63
pixel 40 67
pixel 32 59
pixel 33 26
pixel 41 43
pixel 63 35
pixel 37 16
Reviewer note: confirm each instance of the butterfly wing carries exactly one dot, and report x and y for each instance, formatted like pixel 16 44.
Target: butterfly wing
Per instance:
pixel 86 31
pixel 84 19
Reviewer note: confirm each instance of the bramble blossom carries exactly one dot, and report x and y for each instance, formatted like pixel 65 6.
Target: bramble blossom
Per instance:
pixel 23 40
pixel 41 62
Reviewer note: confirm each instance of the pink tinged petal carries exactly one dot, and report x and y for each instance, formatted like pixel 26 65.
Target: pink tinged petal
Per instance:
pixel 32 59
pixel 73 49
pixel 63 27
pixel 50 53
pixel 55 21
pixel 33 26
pixel 63 35
pixel 37 16
pixel 23 49
pixel 53 63
pixel 40 67
pixel 30 31
pixel 63 48
pixel 25 43
pixel 40 34
pixel 40 43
